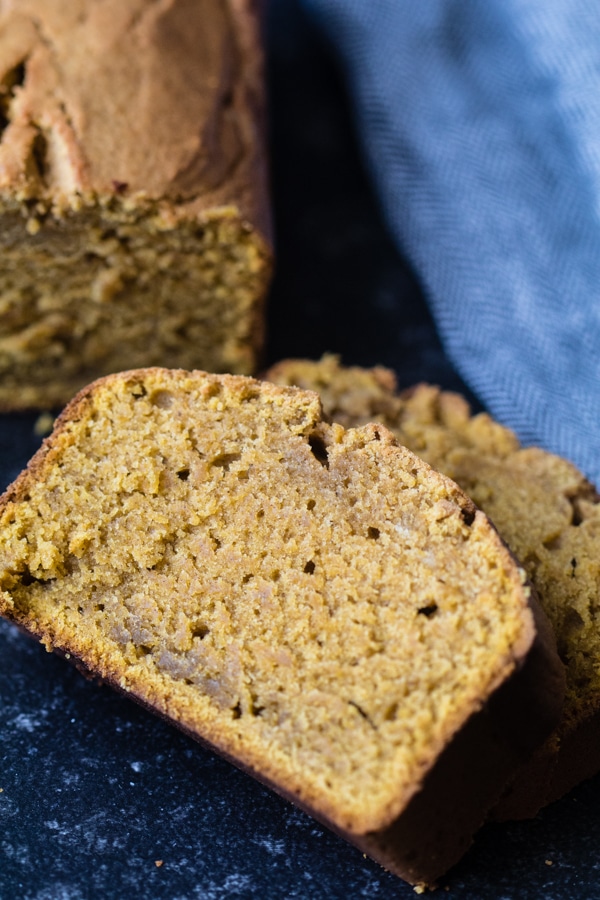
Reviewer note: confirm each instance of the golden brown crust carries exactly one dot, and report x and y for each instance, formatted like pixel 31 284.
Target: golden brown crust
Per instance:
pixel 156 98
pixel 210 546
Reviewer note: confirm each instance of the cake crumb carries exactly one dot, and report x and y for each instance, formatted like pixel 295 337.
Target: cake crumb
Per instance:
pixel 488 462
pixel 548 862
pixel 158 863
pixel 43 424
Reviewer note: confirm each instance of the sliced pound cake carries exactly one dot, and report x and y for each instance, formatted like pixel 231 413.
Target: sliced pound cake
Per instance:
pixel 542 506
pixel 316 604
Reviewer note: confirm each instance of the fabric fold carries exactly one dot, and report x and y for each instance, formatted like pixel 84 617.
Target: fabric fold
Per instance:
pixel 480 123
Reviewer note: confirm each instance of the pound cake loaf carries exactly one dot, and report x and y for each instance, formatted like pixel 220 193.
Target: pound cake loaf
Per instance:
pixel 134 226
pixel 316 604
pixel 542 506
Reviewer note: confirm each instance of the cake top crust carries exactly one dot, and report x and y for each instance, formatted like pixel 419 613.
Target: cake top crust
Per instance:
pixel 133 99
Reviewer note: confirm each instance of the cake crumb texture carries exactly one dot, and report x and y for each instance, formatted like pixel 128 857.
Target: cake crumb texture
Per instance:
pixel 134 222
pixel 543 507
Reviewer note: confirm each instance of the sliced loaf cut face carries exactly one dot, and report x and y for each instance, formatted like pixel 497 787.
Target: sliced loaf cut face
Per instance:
pixel 134 211
pixel 317 604
pixel 543 507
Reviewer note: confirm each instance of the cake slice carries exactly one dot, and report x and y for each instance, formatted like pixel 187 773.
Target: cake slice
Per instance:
pixel 316 604
pixel 134 216
pixel 542 506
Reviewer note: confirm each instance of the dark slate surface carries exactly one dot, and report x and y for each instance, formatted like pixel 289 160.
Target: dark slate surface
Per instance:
pixel 95 791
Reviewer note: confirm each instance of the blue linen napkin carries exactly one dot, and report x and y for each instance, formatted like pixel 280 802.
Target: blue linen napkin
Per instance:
pixel 480 120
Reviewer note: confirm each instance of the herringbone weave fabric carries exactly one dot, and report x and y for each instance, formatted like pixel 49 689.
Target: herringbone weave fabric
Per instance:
pixel 481 125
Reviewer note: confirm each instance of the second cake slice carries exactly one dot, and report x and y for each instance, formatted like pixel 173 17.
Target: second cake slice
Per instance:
pixel 545 510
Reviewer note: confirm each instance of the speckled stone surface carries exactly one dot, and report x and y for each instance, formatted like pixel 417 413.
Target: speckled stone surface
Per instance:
pixel 100 800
